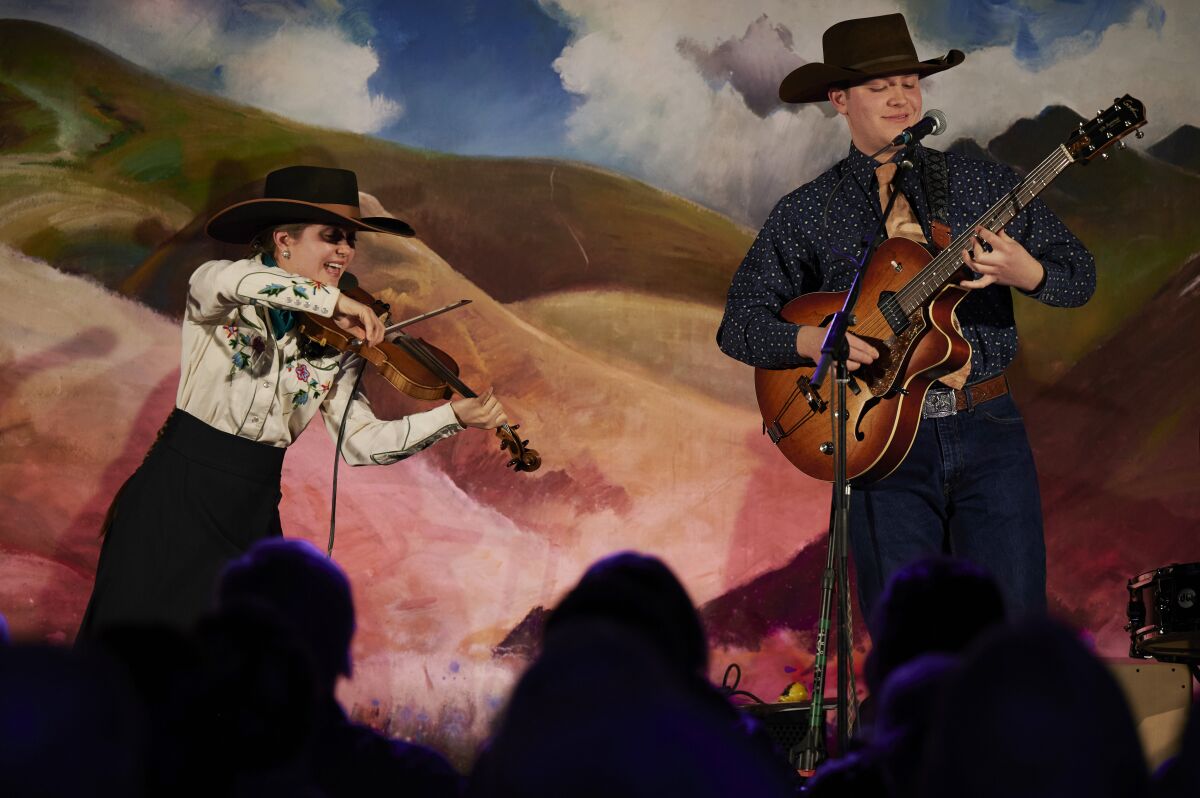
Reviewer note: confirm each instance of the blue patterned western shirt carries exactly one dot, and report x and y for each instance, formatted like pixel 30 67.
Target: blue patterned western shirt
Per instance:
pixel 795 254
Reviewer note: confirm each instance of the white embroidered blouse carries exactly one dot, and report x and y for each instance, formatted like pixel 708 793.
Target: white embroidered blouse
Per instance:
pixel 236 376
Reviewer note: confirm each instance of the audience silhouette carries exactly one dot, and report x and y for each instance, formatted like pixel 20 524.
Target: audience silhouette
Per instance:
pixel 310 593
pixel 70 726
pixel 168 671
pixel 260 701
pixel 907 707
pixel 935 604
pixel 618 703
pixel 1032 712
pixel 929 611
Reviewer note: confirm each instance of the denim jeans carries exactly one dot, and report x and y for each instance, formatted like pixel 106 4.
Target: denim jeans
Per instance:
pixel 967 488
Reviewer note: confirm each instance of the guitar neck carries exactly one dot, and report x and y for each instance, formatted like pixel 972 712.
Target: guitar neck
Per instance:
pixel 922 288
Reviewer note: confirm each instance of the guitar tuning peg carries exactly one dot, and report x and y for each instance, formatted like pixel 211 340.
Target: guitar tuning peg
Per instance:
pixel 1139 134
pixel 1121 144
pixel 1099 112
pixel 1104 156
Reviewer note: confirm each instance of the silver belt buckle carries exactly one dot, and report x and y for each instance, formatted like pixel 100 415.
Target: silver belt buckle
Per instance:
pixel 938 405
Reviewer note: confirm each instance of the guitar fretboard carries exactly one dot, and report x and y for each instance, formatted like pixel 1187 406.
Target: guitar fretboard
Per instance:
pixel 938 271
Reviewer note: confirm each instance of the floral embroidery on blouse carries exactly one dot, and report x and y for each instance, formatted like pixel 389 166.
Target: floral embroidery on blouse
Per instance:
pixel 310 388
pixel 245 346
pixel 300 288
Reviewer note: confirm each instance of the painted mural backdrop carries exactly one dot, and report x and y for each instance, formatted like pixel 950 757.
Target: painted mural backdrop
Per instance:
pixel 590 174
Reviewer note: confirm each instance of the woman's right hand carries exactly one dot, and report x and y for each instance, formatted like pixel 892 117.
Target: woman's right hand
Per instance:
pixel 809 340
pixel 483 411
pixel 357 319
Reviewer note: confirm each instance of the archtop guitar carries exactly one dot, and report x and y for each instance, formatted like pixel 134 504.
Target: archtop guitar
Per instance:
pixel 906 311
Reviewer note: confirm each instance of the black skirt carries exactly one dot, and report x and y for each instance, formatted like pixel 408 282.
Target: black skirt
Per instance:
pixel 200 498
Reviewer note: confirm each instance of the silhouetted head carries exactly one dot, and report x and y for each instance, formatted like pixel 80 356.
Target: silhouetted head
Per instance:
pixel 166 666
pixel 642 595
pixel 307 589
pixel 617 703
pixel 907 706
pixel 1033 713
pixel 260 697
pixel 937 604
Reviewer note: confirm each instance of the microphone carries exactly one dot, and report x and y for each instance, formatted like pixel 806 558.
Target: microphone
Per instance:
pixel 933 123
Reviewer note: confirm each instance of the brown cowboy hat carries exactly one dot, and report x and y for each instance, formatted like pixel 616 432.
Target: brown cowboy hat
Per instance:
pixel 297 194
pixel 857 50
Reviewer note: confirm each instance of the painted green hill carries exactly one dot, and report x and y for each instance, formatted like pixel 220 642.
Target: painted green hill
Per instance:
pixel 1133 211
pixel 109 170
pixel 80 121
pixel 1181 148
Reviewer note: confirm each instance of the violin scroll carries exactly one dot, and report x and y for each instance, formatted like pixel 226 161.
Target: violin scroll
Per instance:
pixel 522 459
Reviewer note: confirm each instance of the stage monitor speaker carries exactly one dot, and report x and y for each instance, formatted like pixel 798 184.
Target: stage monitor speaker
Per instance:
pixel 786 724
pixel 1159 695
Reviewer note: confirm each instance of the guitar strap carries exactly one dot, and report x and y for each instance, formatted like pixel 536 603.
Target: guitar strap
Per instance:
pixel 936 179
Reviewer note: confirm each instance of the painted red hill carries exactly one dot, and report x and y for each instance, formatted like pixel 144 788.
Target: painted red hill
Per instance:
pixel 1116 446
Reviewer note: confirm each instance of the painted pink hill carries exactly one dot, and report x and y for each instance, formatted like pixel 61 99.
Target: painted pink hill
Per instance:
pixel 1116 445
pixel 447 551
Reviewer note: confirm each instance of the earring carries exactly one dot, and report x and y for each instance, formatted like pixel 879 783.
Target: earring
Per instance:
pixel 287 254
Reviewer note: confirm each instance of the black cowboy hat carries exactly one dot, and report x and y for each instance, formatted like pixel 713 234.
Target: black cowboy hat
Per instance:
pixel 298 194
pixel 858 50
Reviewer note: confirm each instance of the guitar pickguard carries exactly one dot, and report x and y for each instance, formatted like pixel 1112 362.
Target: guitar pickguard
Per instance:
pixel 883 375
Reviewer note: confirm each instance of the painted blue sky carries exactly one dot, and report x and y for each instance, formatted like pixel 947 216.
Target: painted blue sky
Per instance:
pixel 474 77
pixel 1035 29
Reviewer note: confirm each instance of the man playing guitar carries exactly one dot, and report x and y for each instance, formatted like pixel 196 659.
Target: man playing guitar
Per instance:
pixel 968 484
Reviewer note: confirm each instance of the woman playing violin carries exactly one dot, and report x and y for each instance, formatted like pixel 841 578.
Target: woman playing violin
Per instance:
pixel 249 384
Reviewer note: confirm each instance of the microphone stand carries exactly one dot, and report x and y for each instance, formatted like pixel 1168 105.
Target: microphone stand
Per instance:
pixel 835 350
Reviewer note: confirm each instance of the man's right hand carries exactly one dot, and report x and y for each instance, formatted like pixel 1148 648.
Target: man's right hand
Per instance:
pixel 809 340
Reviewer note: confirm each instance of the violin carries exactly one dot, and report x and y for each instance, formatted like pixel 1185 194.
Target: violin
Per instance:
pixel 412 366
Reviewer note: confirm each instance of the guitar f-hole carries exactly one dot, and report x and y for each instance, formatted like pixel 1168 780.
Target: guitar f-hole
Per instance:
pixel 866 408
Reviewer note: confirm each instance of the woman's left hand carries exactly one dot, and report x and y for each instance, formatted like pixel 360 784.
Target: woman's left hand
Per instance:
pixel 357 319
pixel 1004 262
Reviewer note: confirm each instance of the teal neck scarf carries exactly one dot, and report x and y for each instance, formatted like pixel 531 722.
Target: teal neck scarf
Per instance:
pixel 281 320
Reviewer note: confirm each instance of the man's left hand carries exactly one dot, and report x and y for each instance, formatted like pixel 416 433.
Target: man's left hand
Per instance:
pixel 1002 262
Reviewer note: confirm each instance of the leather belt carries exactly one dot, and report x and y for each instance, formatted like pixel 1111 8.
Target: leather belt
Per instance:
pixel 942 403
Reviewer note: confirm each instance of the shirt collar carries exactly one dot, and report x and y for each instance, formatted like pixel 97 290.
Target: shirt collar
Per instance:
pixel 863 168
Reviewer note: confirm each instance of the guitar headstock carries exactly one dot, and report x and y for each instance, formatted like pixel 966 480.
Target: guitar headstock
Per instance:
pixel 1109 126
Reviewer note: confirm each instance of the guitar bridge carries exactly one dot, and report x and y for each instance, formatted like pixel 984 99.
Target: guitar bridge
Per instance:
pixel 812 397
